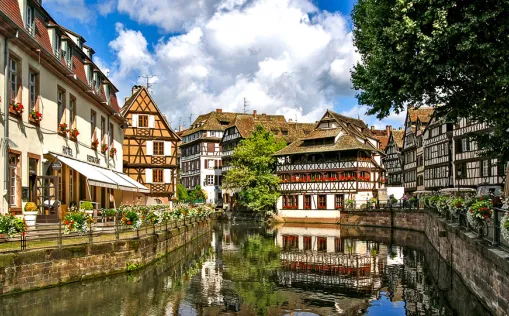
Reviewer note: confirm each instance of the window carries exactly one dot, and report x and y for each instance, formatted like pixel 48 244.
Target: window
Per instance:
pixel 322 243
pixel 103 128
pixel 13 79
pixel 13 179
pixel 465 142
pixel 461 171
pixel 93 122
pixel 142 120
pixel 485 168
pixel 338 244
pixel 61 106
pixel 210 163
pixel 307 242
pixel 33 88
pixel 157 176
pixel 307 202
pixel 68 55
pixel 72 111
pixel 30 18
pixel 212 133
pixel 290 242
pixel 322 202
pixel 158 148
pixel 338 201
pixel 58 46
pixel 210 180
pixel 290 202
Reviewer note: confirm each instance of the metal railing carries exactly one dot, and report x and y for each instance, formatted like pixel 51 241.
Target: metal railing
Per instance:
pixel 104 229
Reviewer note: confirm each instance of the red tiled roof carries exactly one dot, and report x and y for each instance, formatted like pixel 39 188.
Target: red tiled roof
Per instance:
pixel 79 69
pixel 114 102
pixel 423 114
pixel 11 8
pixel 41 34
pixel 103 95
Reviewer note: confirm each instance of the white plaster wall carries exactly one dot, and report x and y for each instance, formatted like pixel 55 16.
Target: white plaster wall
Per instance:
pixel 309 213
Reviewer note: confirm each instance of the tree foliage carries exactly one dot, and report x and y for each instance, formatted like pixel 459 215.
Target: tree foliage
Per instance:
pixel 451 54
pixel 252 170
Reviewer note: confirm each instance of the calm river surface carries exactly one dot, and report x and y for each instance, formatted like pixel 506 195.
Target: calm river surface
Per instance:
pixel 242 269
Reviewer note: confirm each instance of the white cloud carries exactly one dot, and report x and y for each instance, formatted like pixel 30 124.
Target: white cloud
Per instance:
pixel 284 56
pixel 106 7
pixel 75 9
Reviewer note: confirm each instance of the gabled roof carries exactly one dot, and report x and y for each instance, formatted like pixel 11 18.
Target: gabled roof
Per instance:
pixel 212 121
pixel 423 114
pixel 397 137
pixel 354 126
pixel 129 103
pixel 345 142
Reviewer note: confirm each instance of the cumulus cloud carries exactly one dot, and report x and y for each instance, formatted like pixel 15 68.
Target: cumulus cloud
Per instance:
pixel 284 56
pixel 75 9
pixel 106 7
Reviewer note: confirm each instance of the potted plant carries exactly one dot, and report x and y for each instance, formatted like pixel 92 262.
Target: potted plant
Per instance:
pixel 17 108
pixel 113 152
pixel 94 144
pixel 73 133
pixel 35 116
pixel 104 147
pixel 12 225
pixel 88 207
pixel 30 213
pixel 109 214
pixel 62 128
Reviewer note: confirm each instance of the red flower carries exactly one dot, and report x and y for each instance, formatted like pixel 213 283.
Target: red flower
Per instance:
pixel 129 223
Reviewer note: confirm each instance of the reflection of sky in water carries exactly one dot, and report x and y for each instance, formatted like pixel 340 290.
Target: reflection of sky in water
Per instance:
pixel 383 306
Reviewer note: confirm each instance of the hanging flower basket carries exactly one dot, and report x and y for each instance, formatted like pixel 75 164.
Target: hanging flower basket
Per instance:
pixel 36 116
pixel 104 148
pixel 74 133
pixel 113 152
pixel 95 144
pixel 479 212
pixel 62 128
pixel 16 107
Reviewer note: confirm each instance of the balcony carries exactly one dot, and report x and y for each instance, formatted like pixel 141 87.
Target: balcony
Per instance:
pixel 190 157
pixel 190 172
pixel 330 165
pixel 227 153
pixel 327 186
pixel 231 137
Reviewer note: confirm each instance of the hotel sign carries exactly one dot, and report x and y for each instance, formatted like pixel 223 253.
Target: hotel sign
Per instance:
pixel 66 150
pixel 93 159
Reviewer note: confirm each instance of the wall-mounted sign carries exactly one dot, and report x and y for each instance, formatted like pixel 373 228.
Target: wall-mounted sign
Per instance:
pixel 57 165
pixel 66 150
pixel 93 159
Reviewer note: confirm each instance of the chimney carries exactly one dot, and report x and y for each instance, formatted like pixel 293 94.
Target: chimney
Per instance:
pixel 263 114
pixel 388 129
pixel 400 128
pixel 290 120
pixel 135 89
pixel 372 128
pixel 181 128
pixel 254 113
pixel 219 110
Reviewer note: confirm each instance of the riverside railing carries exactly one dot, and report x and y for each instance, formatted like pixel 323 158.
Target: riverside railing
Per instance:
pixel 103 229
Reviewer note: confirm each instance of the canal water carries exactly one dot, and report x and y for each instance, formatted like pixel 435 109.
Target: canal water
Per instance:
pixel 252 269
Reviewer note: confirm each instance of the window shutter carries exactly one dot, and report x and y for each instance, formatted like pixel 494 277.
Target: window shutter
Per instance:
pixel 167 176
pixel 148 175
pixel 151 121
pixel 150 148
pixel 135 120
pixel 167 148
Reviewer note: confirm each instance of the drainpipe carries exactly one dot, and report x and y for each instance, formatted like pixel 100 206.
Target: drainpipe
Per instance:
pixel 6 119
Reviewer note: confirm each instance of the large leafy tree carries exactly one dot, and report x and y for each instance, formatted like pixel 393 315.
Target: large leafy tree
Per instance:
pixel 449 53
pixel 252 170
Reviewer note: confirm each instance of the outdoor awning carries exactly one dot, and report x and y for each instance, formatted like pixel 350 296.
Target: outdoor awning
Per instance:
pixel 122 183
pixel 141 187
pixel 94 176
pixel 102 177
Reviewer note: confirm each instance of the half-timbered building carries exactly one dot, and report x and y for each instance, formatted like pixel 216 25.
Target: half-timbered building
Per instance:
pixel 438 162
pixel 338 161
pixel 413 156
pixel 392 159
pixel 201 153
pixel 470 168
pixel 242 127
pixel 150 149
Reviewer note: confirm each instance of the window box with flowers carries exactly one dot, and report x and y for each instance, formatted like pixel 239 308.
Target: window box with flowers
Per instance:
pixel 62 128
pixel 95 144
pixel 35 116
pixel 16 108
pixel 73 134
pixel 104 148
pixel 113 152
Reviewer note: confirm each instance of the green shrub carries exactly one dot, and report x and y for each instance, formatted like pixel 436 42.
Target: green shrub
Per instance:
pixel 87 206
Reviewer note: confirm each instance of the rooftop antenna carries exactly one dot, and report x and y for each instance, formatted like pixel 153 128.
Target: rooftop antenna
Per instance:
pixel 180 121
pixel 190 119
pixel 245 106
pixel 147 78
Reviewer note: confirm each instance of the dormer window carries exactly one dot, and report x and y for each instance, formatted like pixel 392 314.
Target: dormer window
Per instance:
pixel 68 55
pixel 58 45
pixel 30 20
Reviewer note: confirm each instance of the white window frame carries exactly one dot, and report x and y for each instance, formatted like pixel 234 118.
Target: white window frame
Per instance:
pixel 209 180
pixel 60 105
pixel 30 20
pixel 13 78
pixel 485 168
pixel 32 89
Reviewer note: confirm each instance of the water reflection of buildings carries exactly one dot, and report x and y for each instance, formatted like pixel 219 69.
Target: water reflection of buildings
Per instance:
pixel 318 257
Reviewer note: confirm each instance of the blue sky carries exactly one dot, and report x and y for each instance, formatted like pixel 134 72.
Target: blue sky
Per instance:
pixel 287 57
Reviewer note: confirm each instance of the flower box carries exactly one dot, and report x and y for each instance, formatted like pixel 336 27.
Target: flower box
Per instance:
pixel 104 148
pixel 62 129
pixel 73 134
pixel 35 117
pixel 113 152
pixel 94 144
pixel 16 108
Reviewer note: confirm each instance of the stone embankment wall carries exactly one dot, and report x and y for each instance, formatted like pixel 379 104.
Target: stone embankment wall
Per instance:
pixel 39 268
pixel 483 269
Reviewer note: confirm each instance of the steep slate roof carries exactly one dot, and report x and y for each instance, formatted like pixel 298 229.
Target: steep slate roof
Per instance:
pixel 397 136
pixel 345 142
pixel 352 129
